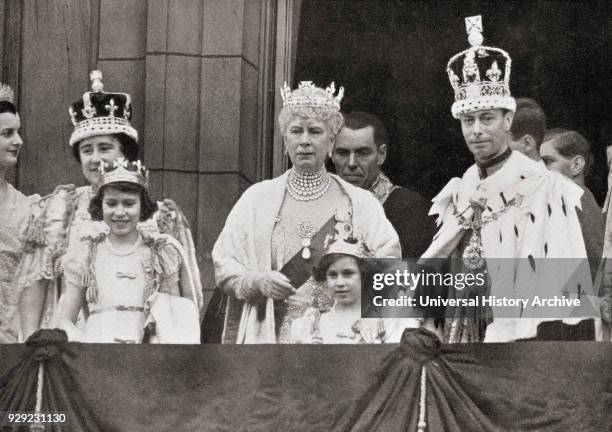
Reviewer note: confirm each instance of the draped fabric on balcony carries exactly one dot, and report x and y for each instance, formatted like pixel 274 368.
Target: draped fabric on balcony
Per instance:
pixel 528 386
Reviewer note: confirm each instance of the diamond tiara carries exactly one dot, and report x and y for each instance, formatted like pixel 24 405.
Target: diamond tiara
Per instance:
pixel 309 95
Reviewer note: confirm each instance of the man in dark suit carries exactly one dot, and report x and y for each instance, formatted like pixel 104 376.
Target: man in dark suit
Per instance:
pixel 359 153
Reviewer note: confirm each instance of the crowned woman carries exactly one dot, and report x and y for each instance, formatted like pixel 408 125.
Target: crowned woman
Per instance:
pixel 123 276
pixel 14 215
pixel 274 235
pixel 102 134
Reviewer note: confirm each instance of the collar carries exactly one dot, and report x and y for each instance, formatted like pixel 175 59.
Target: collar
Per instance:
pixel 482 166
pixel 382 188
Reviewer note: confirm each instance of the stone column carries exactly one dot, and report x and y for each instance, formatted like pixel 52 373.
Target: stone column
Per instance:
pixel 203 107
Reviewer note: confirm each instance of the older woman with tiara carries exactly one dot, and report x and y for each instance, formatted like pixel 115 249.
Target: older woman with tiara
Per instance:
pixel 14 215
pixel 102 134
pixel 275 233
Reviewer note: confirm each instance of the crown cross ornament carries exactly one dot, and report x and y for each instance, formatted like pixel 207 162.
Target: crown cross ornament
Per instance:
pixel 96 81
pixel 111 108
pixel 101 113
pixel 473 27
pixel 307 94
pixel 480 75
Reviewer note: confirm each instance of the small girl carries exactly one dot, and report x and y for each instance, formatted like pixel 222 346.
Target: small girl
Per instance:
pixel 343 269
pixel 122 277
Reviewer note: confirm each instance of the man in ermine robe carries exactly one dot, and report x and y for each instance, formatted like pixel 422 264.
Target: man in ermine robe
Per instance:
pixel 507 216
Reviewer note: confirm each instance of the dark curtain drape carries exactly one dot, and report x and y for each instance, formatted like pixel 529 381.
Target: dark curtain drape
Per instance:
pixel 522 386
pixel 61 392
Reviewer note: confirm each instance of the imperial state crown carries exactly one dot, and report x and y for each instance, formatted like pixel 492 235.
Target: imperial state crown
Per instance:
pixel 480 75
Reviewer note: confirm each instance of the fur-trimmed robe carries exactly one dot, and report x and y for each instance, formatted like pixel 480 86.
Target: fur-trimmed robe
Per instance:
pixel 537 219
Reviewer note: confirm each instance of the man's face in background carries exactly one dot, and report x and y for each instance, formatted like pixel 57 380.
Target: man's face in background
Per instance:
pixel 357 157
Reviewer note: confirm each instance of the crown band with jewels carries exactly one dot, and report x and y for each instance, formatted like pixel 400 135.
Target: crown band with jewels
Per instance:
pixel 480 75
pixel 345 242
pixel 6 94
pixel 123 170
pixel 308 95
pixel 100 113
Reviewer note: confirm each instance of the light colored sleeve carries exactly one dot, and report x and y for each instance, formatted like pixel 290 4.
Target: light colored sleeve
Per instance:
pixel 75 262
pixel 171 262
pixel 27 214
pixel 170 220
pixel 230 253
pixel 46 237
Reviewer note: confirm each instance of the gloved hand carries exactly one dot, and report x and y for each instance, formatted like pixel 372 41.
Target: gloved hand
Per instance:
pixel 269 284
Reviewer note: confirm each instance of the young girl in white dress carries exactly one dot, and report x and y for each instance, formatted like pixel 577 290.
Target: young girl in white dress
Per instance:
pixel 341 269
pixel 344 270
pixel 119 272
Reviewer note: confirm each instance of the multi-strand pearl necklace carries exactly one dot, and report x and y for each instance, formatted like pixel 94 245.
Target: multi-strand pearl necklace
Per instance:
pixel 307 186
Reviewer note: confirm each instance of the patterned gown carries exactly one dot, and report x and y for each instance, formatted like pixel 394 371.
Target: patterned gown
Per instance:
pixel 14 214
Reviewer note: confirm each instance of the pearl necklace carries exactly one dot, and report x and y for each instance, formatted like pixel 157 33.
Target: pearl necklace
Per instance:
pixel 307 186
pixel 129 251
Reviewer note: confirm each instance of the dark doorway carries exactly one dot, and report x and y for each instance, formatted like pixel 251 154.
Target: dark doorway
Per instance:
pixel 391 58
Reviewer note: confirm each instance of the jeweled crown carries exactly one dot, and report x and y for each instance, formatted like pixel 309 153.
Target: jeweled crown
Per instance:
pixel 480 75
pixel 123 170
pixel 345 241
pixel 100 113
pixel 6 94
pixel 309 95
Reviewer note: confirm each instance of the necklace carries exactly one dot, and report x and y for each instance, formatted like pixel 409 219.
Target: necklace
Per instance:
pixel 307 186
pixel 131 250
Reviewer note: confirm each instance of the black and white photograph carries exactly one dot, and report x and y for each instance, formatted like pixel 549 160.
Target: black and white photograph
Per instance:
pixel 397 212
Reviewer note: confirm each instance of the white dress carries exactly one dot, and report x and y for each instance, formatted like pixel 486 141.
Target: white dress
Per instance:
pixel 123 282
pixel 121 285
pixel 54 231
pixel 337 328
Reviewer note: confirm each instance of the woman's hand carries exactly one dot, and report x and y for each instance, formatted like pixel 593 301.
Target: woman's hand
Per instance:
pixel 274 284
pixel 268 284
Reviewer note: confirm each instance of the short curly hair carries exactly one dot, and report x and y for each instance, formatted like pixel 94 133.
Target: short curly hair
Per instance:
pixel 367 268
pixel 320 271
pixel 129 147
pixel 147 206
pixel 332 118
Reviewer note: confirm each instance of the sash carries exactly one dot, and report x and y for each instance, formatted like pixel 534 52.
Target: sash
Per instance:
pixel 299 269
